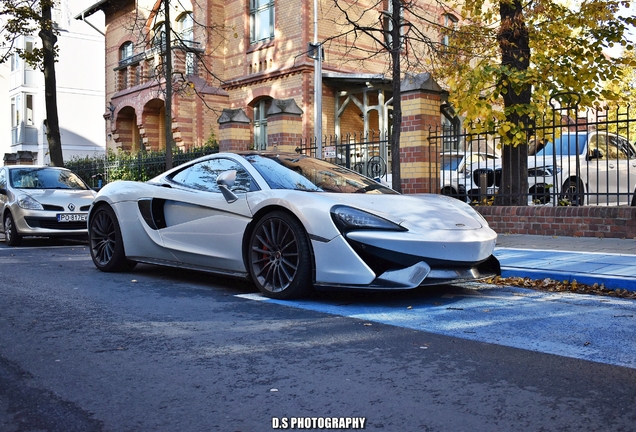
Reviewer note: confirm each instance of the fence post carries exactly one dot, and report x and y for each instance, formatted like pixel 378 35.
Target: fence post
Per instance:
pixel 421 102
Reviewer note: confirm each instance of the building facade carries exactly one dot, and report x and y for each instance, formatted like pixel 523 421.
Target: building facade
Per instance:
pixel 243 73
pixel 80 93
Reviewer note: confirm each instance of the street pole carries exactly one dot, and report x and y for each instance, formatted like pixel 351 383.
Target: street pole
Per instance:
pixel 168 77
pixel 317 86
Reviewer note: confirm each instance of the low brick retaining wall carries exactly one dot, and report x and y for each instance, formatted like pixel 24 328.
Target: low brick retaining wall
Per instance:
pixel 608 222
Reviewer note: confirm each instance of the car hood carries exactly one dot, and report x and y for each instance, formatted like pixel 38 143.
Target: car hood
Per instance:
pixel 59 196
pixel 422 211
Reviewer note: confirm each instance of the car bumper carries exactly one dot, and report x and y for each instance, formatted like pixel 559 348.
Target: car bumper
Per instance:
pixel 45 223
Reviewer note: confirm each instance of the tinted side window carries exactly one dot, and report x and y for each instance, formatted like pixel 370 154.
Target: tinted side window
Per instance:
pixel 624 148
pixel 203 175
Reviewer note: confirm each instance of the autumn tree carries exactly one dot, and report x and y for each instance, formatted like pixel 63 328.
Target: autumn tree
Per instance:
pixel 26 17
pixel 500 61
pixel 507 59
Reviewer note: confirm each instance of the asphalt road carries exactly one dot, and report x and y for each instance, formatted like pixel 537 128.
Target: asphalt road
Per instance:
pixel 167 350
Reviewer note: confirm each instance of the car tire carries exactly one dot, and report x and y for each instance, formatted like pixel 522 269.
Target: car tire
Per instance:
pixel 11 236
pixel 540 194
pixel 106 242
pixel 279 257
pixel 451 192
pixel 572 191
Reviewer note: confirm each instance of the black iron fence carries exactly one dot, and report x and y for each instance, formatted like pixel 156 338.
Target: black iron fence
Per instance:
pixel 573 158
pixel 140 166
pixel 369 154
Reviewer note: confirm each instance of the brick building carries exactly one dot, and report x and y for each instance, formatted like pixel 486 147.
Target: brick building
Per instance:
pixel 241 72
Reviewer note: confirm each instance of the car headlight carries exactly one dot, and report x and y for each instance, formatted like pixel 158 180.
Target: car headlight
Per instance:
pixel 350 219
pixel 28 203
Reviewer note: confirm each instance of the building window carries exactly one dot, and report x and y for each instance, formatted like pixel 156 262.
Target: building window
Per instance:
pixel 159 37
pixel 126 51
pixel 185 25
pixel 22 120
pixel 22 110
pixel 28 118
pixel 261 20
pixel 450 25
pixel 15 61
pixel 388 26
pixel 260 124
pixel 16 101
pixel 190 63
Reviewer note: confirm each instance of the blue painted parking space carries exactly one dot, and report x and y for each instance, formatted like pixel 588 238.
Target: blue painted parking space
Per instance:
pixel 593 328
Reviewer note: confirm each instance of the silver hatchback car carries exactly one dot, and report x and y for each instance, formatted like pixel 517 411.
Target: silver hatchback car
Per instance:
pixel 42 201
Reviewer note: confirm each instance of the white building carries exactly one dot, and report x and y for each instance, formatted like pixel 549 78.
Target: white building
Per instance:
pixel 80 93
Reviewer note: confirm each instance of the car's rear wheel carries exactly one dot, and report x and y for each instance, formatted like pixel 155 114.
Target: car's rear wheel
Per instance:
pixel 106 242
pixel 279 257
pixel 572 192
pixel 11 236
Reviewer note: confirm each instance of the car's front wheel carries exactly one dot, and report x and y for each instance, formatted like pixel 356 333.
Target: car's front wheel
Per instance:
pixel 572 192
pixel 106 242
pixel 279 257
pixel 11 236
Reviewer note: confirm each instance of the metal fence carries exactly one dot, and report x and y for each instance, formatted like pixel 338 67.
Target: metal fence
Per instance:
pixel 369 154
pixel 141 166
pixel 573 158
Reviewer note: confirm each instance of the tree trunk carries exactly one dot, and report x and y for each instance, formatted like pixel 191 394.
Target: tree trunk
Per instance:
pixel 514 42
pixel 50 86
pixel 396 176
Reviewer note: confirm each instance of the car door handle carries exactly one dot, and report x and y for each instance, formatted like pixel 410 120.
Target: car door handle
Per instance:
pixel 611 166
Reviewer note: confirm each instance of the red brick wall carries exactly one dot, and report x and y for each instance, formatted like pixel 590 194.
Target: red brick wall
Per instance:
pixel 609 222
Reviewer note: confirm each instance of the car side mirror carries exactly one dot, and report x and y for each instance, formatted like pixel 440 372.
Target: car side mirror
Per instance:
pixel 225 181
pixel 595 154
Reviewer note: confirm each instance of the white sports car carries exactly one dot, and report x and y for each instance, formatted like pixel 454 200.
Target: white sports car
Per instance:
pixel 290 223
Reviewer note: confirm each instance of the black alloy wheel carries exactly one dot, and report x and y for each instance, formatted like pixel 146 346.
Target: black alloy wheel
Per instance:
pixel 279 257
pixel 106 243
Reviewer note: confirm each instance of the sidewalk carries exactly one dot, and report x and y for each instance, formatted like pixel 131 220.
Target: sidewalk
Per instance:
pixel 611 262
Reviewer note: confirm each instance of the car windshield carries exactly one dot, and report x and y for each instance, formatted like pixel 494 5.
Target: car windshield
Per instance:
pixel 565 145
pixel 45 178
pixel 312 175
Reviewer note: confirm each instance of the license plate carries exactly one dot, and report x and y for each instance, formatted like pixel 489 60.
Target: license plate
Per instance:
pixel 72 217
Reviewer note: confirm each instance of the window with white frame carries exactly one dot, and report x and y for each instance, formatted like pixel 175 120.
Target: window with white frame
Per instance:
pixel 28 111
pixel 16 111
pixel 15 61
pixel 450 24
pixel 22 110
pixel 185 26
pixel 261 20
pixel 125 51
